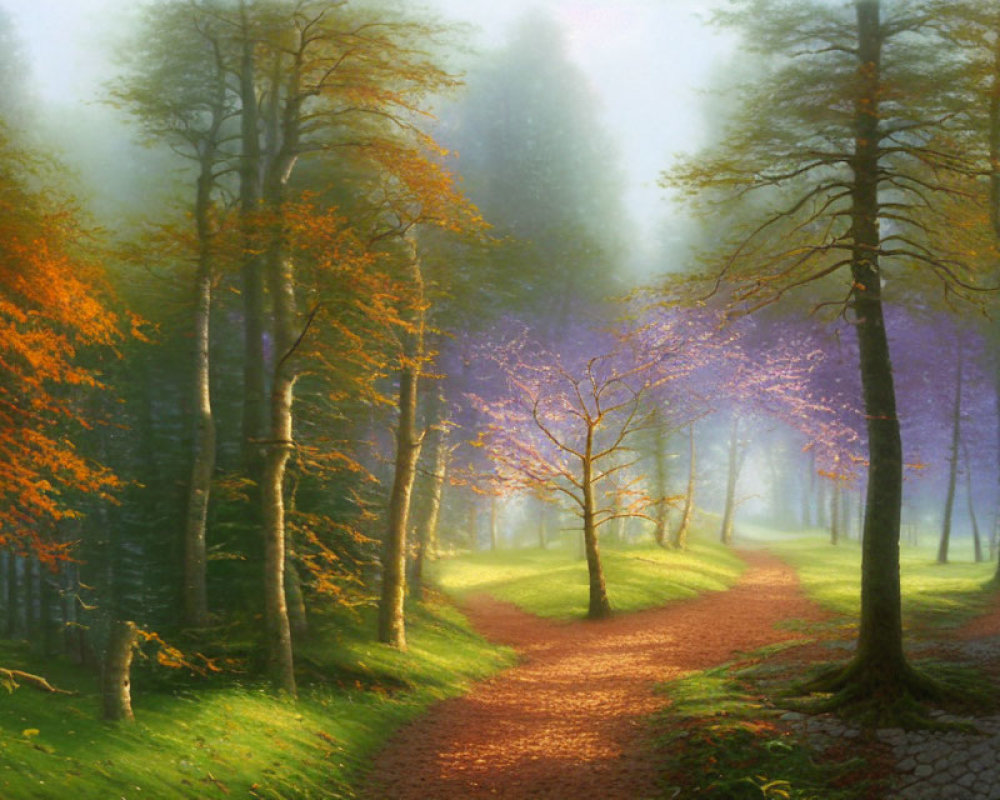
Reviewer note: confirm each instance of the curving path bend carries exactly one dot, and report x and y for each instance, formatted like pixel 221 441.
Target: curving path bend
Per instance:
pixel 569 720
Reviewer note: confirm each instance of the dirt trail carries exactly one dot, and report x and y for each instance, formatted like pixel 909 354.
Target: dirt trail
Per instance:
pixel 568 721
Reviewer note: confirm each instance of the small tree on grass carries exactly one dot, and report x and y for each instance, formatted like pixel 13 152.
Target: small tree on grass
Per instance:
pixel 565 425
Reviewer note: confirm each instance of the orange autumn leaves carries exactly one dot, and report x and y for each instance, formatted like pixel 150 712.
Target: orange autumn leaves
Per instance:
pixel 51 309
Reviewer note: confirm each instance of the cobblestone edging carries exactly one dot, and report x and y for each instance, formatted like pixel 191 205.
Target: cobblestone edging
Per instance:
pixel 929 765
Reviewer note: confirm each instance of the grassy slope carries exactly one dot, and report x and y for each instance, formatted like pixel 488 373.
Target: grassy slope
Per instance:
pixel 554 583
pixel 933 594
pixel 232 740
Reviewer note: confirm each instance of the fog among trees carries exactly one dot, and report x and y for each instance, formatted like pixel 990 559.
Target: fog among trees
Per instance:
pixel 319 296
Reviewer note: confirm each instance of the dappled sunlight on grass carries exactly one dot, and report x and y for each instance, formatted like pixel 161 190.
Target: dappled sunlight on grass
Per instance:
pixel 933 594
pixel 232 740
pixel 554 583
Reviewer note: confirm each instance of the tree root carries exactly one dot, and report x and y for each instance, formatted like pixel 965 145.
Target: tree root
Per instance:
pixel 15 677
pixel 899 699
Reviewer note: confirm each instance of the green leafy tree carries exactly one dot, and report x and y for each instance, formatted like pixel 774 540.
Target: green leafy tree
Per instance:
pixel 850 140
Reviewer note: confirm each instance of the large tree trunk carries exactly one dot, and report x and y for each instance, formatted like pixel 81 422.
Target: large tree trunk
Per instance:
pixel 116 680
pixel 203 463
pixel 279 446
pixel 680 536
pixel 391 616
pixel 599 606
pixel 255 412
pixel 879 671
pixel 736 451
pixel 956 434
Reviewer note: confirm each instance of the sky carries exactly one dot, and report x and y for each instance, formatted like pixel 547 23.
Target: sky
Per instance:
pixel 647 60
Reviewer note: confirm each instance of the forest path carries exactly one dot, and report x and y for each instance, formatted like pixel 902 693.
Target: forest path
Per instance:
pixel 569 720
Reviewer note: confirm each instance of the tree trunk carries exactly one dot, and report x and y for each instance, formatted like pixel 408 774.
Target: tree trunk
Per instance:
pixel 661 478
pixel 255 412
pixel 732 477
pixel 879 669
pixel 203 462
pixel 599 606
pixel 116 673
pixel 956 434
pixel 391 616
pixel 977 541
pixel 298 620
pixel 427 530
pixel 680 536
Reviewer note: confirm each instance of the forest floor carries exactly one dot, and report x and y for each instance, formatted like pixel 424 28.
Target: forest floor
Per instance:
pixel 572 718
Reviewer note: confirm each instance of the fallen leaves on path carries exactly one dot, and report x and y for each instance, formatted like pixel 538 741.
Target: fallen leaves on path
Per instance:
pixel 569 720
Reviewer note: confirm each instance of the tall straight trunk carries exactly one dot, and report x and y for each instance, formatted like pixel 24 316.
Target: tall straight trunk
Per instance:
pixel 732 478
pixel 599 606
pixel 661 477
pixel 680 536
pixel 392 619
pixel 203 461
pixel 977 541
pixel 255 411
pixel 427 529
pixel 391 616
pixel 880 663
pixel 956 434
pixel 835 531
pixel 279 447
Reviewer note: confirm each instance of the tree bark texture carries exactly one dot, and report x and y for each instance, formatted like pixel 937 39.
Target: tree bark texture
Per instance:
pixel 736 452
pixel 427 529
pixel 880 662
pixel 392 620
pixel 392 617
pixel 116 680
pixel 599 606
pixel 203 462
pixel 255 413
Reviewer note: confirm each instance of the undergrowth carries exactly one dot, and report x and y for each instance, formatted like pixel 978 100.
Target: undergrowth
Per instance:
pixel 230 738
pixel 722 738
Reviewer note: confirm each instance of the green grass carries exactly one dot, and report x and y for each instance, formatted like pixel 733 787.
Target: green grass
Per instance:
pixel 232 740
pixel 936 595
pixel 554 583
pixel 721 741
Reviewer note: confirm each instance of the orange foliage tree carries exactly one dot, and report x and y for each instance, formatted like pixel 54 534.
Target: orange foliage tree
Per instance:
pixel 52 305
